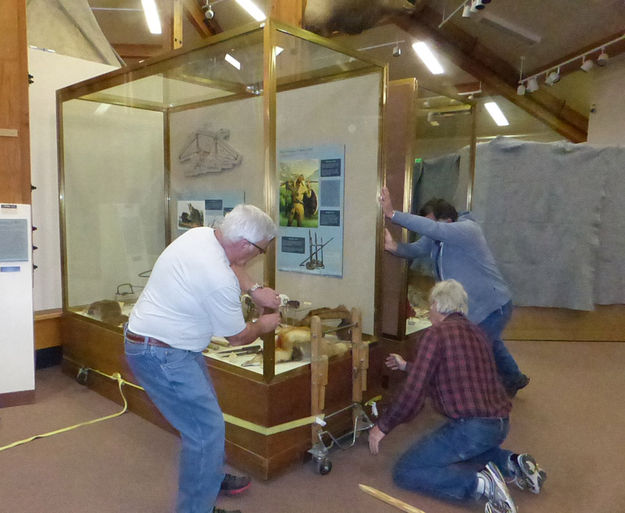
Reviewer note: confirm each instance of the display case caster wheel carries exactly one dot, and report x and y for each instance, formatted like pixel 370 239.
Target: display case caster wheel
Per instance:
pixel 82 376
pixel 324 466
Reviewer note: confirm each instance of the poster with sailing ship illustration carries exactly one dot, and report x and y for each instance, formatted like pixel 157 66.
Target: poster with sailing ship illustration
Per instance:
pixel 312 183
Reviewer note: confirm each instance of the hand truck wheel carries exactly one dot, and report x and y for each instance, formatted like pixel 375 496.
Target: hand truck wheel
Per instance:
pixel 324 466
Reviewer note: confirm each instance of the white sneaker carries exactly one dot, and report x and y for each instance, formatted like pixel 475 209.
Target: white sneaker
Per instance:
pixel 498 499
pixel 528 475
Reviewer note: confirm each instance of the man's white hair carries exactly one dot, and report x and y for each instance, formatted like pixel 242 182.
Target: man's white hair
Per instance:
pixel 448 297
pixel 247 222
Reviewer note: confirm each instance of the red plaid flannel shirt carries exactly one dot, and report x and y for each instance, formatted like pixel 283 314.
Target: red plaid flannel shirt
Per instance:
pixel 455 366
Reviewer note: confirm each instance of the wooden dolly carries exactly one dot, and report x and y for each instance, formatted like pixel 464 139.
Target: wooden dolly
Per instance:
pixel 319 380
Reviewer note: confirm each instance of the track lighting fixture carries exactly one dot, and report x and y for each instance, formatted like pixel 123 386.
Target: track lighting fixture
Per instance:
pixel 587 64
pixel 602 60
pixel 477 5
pixel 431 120
pixel 553 77
pixel 207 8
pixel 467 7
pixel 532 85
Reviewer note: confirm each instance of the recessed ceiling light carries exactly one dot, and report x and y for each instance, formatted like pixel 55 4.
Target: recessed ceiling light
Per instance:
pixel 428 58
pixel 151 16
pixel 252 9
pixel 232 61
pixel 495 113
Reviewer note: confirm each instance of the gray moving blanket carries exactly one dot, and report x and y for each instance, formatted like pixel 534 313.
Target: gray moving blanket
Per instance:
pixel 554 216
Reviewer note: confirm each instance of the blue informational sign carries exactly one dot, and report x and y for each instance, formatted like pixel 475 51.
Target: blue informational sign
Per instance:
pixel 312 184
pixel 208 211
pixel 14 245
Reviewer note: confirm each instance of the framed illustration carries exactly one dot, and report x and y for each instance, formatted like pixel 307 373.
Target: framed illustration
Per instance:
pixel 208 211
pixel 312 182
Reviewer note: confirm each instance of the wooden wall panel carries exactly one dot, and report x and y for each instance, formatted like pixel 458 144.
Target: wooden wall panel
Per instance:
pixel 604 324
pixel 48 328
pixel 14 131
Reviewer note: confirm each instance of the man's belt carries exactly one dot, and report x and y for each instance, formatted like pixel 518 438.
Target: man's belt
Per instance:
pixel 140 339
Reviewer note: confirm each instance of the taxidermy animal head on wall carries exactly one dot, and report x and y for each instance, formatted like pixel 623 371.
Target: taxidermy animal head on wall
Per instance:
pixel 326 17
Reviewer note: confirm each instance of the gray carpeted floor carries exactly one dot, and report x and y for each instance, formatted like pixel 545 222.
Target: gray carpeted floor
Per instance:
pixel 571 418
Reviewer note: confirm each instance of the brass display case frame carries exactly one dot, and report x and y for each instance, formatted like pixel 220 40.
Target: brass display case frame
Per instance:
pixel 257 454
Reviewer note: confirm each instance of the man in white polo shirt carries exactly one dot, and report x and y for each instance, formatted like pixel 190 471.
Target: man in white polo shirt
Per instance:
pixel 192 294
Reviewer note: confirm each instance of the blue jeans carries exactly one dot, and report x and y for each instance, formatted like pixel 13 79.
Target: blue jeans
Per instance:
pixel 444 464
pixel 179 385
pixel 493 326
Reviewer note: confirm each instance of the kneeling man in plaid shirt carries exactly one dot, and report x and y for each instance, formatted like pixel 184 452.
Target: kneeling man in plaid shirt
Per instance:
pixel 455 367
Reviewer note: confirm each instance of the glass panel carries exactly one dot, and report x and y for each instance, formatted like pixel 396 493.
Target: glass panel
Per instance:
pixel 113 201
pixel 522 125
pixel 300 60
pixel 225 68
pixel 441 169
pixel 327 144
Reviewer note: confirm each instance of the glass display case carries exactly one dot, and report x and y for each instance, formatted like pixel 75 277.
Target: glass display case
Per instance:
pixel 260 115
pixel 429 154
pixel 442 168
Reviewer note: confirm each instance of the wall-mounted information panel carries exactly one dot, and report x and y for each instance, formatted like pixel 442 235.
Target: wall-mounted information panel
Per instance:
pixel 17 366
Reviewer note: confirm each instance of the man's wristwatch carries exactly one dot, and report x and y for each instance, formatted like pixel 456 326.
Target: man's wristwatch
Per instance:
pixel 254 287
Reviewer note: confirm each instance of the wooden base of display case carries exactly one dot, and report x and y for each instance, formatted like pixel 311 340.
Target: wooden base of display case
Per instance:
pixel 88 344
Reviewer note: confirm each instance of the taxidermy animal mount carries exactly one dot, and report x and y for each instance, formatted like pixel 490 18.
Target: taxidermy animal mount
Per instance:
pixel 107 311
pixel 326 17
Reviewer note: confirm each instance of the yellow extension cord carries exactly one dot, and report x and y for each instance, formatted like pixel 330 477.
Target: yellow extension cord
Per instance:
pixel 121 382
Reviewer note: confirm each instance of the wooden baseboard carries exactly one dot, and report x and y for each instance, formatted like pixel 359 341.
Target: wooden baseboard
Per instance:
pixel 17 398
pixel 603 324
pixel 48 328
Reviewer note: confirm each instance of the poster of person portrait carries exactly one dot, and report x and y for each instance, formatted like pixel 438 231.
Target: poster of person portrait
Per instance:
pixel 299 190
pixel 311 181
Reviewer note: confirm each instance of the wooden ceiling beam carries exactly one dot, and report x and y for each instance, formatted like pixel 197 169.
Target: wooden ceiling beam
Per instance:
pixel 138 51
pixel 288 11
pixel 497 75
